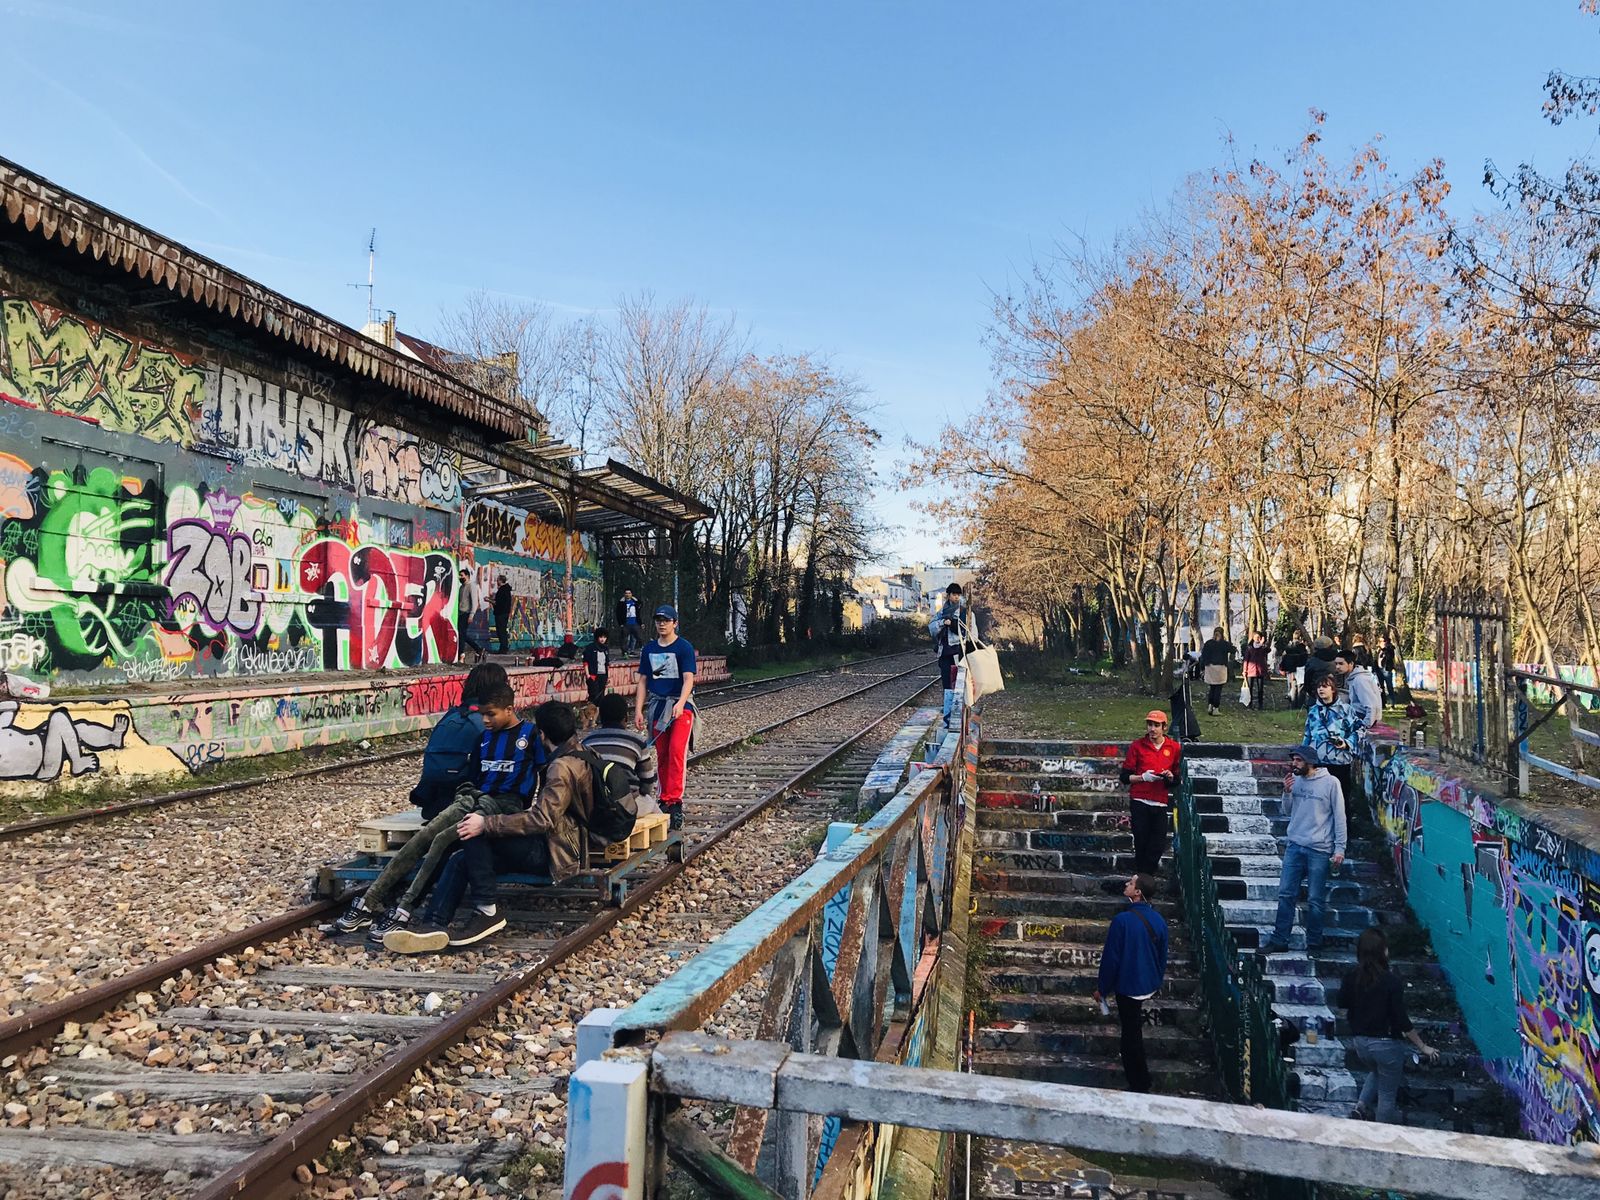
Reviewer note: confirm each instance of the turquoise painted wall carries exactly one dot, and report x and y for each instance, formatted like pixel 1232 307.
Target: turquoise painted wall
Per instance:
pixel 1514 912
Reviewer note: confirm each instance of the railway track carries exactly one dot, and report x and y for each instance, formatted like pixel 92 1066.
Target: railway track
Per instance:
pixel 737 693
pixel 88 902
pixel 720 697
pixel 245 1058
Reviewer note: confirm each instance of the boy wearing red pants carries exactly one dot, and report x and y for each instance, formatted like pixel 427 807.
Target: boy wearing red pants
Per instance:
pixel 666 679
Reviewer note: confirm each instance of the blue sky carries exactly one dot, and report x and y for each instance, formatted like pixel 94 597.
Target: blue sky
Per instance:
pixel 851 178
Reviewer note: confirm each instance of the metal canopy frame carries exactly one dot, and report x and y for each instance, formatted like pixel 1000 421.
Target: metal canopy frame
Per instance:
pixel 609 500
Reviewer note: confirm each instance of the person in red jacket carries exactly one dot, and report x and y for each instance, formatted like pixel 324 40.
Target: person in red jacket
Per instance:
pixel 1151 769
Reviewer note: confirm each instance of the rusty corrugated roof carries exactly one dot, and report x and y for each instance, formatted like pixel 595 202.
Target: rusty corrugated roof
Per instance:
pixel 39 207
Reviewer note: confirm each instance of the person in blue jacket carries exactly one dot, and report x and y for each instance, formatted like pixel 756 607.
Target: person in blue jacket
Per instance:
pixel 1132 966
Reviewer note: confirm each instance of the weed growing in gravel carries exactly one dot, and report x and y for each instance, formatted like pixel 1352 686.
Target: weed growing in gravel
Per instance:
pixel 809 842
pixel 536 1164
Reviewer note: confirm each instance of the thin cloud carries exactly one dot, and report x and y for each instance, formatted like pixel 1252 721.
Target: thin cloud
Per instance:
pixel 122 135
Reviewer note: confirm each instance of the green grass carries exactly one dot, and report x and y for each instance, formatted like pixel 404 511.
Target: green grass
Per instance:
pixel 534 1166
pixel 1048 698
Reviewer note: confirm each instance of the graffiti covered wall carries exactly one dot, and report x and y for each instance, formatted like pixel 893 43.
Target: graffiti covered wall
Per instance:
pixel 531 554
pixel 59 742
pixel 1514 913
pixel 163 517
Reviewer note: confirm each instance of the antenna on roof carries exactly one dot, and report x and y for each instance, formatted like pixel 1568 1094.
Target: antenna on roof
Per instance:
pixel 372 259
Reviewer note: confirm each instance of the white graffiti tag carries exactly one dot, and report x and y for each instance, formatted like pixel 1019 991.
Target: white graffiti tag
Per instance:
pixel 211 567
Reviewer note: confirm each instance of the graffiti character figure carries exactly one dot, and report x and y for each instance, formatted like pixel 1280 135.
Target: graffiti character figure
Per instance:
pixel 38 753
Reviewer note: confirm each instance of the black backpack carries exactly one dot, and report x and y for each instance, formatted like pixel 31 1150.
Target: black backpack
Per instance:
pixel 452 748
pixel 616 797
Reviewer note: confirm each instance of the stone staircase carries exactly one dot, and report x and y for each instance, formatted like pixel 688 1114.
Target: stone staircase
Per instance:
pixel 1053 851
pixel 1239 798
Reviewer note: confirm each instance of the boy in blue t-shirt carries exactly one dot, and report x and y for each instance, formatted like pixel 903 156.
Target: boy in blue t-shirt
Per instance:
pixel 504 779
pixel 666 677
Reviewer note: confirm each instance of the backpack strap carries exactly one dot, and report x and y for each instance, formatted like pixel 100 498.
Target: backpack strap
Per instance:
pixel 1149 928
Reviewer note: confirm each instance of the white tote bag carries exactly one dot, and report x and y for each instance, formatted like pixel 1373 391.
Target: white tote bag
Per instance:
pixel 983 669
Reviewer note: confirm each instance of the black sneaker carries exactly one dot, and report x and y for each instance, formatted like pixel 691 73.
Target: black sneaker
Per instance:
pixel 675 817
pixel 352 919
pixel 416 939
pixel 382 926
pixel 478 926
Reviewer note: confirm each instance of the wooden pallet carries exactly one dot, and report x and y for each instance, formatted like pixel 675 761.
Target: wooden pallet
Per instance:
pixel 647 831
pixel 381 835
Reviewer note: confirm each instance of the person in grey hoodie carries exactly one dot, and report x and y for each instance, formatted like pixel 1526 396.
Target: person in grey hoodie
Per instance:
pixel 1314 803
pixel 1361 686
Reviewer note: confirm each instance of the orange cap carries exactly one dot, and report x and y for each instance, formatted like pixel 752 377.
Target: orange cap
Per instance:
pixel 1155 714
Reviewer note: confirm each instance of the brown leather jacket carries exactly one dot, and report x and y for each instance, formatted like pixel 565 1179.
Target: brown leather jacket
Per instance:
pixel 566 797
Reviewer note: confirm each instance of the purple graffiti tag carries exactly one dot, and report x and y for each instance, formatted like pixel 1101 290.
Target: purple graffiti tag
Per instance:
pixel 211 566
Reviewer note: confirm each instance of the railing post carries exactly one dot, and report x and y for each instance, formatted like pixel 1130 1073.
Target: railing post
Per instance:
pixel 594 1035
pixel 606 1140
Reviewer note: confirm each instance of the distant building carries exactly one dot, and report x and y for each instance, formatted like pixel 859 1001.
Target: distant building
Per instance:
pixel 931 580
pixel 860 612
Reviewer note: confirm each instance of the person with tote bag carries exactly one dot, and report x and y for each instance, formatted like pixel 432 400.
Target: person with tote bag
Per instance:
pixel 1214 657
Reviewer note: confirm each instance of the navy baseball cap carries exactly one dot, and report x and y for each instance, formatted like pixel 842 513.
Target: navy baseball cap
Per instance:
pixel 667 611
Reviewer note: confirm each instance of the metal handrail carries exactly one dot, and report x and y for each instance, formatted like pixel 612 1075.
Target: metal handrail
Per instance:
pixel 1235 998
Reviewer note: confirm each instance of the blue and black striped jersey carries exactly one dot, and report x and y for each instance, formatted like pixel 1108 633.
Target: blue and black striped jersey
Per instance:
pixel 510 760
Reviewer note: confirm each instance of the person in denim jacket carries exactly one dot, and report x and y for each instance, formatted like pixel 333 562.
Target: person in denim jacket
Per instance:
pixel 1334 730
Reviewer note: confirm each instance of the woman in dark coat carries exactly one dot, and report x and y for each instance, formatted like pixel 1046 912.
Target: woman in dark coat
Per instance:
pixel 1214 658
pixel 1379 1027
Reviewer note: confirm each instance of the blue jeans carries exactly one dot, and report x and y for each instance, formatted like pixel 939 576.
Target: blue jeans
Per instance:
pixel 1385 1061
pixel 469 873
pixel 1301 864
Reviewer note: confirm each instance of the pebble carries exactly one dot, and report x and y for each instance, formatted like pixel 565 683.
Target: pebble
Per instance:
pixel 452 1100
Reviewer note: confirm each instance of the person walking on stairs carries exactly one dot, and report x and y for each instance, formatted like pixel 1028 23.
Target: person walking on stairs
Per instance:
pixel 1133 964
pixel 1314 803
pixel 1150 769
pixel 1375 998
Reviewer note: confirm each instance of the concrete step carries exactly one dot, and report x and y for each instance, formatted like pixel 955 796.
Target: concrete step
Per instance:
pixel 1035 979
pixel 1073 930
pixel 1265 888
pixel 1169 1076
pixel 1049 882
pixel 1083 1039
pixel 1261 912
pixel 1162 1010
pixel 1049 839
pixel 1086 820
pixel 1028 904
pixel 1020 1169
pixel 993 800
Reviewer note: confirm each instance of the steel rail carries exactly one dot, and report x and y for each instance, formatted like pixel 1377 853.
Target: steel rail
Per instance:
pixel 42 1023
pixel 783 683
pixel 45 1021
pixel 273 1164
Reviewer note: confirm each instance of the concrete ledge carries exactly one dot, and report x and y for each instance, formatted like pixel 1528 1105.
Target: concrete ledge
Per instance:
pixel 1294 1145
pixel 75 740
